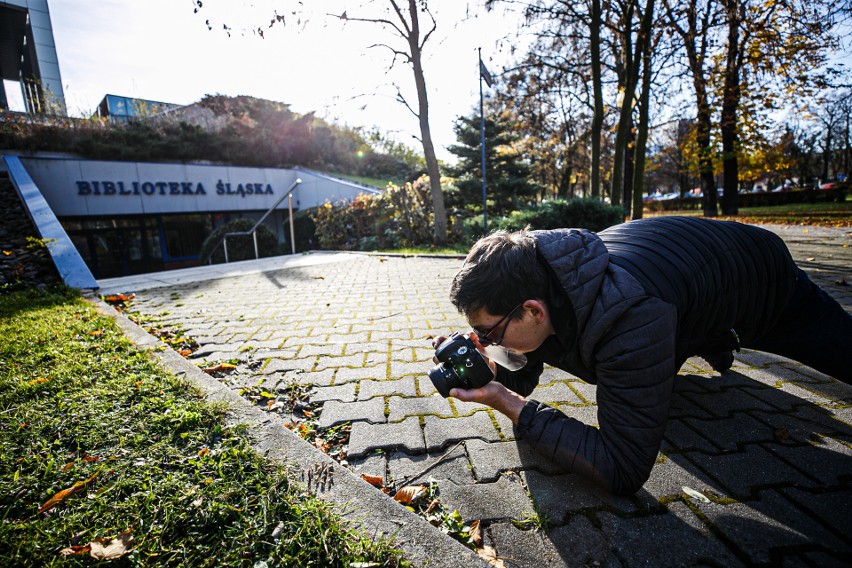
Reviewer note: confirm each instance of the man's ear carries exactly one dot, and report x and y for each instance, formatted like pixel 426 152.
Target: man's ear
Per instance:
pixel 538 309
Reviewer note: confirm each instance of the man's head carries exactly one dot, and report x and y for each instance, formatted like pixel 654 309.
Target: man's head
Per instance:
pixel 500 272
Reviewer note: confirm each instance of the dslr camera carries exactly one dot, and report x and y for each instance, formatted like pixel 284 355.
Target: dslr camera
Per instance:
pixel 461 366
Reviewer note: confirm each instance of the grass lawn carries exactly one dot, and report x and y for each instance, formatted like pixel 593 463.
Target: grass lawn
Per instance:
pixel 824 214
pixel 102 453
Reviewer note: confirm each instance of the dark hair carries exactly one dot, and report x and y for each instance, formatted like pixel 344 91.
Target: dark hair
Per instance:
pixel 501 271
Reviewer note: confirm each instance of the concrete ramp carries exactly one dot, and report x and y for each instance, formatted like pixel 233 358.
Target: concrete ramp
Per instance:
pixel 70 265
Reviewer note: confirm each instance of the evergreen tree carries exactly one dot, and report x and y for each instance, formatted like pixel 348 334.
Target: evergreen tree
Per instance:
pixel 507 174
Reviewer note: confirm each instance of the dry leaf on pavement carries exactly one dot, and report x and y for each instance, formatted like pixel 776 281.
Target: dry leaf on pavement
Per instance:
pixel 695 494
pixel 374 480
pixel 488 554
pixel 410 494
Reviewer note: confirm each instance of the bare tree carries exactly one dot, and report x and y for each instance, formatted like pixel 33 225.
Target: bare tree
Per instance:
pixel 403 21
pixel 694 21
pixel 782 43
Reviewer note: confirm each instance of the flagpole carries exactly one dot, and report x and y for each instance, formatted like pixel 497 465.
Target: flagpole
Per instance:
pixel 482 145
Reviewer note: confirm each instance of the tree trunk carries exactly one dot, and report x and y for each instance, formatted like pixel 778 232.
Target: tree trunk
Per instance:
pixel 644 112
pixel 826 155
pixel 598 115
pixel 705 152
pixel 624 122
pixel 432 169
pixel 730 103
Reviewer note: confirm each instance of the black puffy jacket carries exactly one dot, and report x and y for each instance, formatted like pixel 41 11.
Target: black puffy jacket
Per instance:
pixel 629 306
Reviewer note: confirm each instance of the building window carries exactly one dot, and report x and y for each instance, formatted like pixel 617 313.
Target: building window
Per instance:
pixel 183 235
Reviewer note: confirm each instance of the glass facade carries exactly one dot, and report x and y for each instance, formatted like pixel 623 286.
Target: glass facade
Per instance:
pixel 119 246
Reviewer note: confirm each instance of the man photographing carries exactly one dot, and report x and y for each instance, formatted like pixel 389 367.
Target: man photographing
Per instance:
pixel 624 309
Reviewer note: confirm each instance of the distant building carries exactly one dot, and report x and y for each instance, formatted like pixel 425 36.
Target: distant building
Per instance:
pixel 28 57
pixel 135 217
pixel 122 109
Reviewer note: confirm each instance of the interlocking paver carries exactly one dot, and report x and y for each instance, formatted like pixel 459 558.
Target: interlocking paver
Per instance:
pixel 760 533
pixel 549 493
pixel 523 547
pixel 419 406
pixel 342 393
pixel 728 434
pixel 674 539
pixel 739 472
pixel 369 388
pixel 771 433
pixel 505 498
pixel 336 412
pixel 407 434
pixel 441 431
pixel 450 465
pixel 490 459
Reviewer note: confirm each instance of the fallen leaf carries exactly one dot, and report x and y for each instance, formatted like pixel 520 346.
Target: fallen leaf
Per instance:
pixel 88 458
pixel 203 452
pixel 96 332
pixel 67 466
pixel 112 549
pixel 374 480
pixel 7 252
pixel 66 493
pixel 410 494
pixel 74 550
pixel 475 534
pixel 811 258
pixel 488 554
pixel 695 494
pixel 185 352
pixel 432 506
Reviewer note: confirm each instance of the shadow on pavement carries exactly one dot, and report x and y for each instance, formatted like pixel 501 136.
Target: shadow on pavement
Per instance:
pixel 774 465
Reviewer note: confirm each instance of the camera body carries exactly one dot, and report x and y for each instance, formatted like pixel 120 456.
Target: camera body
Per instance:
pixel 461 366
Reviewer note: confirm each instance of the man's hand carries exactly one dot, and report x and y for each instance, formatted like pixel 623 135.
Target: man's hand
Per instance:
pixel 496 396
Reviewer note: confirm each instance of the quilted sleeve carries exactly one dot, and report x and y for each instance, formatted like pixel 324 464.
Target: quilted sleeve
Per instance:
pixel 635 367
pixel 522 381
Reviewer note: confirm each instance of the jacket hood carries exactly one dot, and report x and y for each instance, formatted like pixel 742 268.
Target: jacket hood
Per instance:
pixel 579 259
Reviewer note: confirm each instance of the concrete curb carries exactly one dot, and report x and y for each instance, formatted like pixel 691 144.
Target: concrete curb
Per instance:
pixel 373 512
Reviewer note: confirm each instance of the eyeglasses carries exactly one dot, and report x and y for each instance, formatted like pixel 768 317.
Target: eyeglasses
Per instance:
pixel 485 339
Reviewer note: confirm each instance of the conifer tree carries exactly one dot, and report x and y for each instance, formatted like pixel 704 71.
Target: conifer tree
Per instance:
pixel 506 172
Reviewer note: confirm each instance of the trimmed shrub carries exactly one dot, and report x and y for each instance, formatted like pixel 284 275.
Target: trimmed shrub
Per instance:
pixel 580 212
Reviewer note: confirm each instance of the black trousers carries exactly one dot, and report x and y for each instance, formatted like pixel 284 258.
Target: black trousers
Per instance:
pixel 814 330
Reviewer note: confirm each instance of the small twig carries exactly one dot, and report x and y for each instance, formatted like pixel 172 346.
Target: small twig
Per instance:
pixel 409 479
pixel 387 316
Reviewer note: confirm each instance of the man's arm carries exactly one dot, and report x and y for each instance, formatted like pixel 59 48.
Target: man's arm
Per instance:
pixel 635 368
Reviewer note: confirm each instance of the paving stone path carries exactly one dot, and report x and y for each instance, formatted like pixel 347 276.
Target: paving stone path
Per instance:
pixel 770 443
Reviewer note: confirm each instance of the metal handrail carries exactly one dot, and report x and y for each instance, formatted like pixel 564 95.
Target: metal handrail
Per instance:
pixel 253 230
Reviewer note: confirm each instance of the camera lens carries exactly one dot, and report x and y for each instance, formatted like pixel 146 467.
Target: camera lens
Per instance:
pixel 444 379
